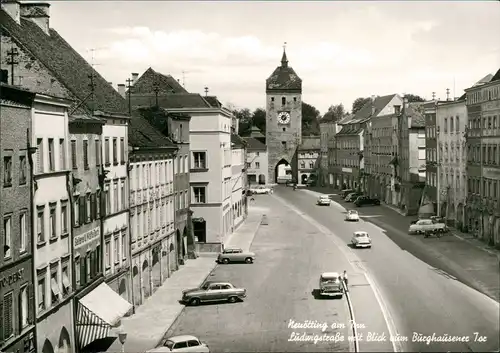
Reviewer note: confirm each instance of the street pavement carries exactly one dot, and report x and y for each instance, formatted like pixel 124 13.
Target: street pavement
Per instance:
pixel 421 300
pixel 146 328
pixel 291 254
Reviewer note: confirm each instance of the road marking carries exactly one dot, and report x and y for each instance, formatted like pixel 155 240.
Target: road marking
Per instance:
pixel 354 260
pixel 353 318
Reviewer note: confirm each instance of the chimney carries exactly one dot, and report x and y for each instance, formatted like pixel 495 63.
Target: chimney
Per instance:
pixel 121 89
pixel 13 8
pixel 135 76
pixel 38 13
pixel 373 105
pixel 397 109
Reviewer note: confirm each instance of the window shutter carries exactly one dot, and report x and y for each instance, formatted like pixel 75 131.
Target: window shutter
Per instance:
pixel 8 315
pixel 1 323
pixel 83 271
pixel 92 207
pixel 82 206
pixel 20 310
pixel 31 302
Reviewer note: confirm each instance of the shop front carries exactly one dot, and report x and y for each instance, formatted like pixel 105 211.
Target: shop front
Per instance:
pixel 16 291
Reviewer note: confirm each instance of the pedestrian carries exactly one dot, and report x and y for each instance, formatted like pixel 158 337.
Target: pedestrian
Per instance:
pixel 344 276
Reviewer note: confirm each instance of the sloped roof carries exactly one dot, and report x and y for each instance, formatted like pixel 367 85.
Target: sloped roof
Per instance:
pixel 142 134
pixel 416 114
pixel 256 132
pixel 83 118
pixel 379 103
pixel 284 78
pixel 486 79
pixel 346 119
pixel 350 129
pixel 213 101
pixel 152 79
pixel 254 145
pixel 496 77
pixel 237 141
pixel 65 64
pixel 310 143
pixel 178 100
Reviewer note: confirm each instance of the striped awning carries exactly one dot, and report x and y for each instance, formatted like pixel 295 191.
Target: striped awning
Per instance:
pixel 98 312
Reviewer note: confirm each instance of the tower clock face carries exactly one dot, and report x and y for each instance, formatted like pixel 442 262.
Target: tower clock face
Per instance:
pixel 284 117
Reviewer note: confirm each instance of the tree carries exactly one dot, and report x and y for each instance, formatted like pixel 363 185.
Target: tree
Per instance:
pixel 244 117
pixel 414 98
pixel 335 113
pixel 259 119
pixel 359 103
pixel 310 120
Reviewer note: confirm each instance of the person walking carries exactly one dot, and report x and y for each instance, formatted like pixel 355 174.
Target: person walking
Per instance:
pixel 344 277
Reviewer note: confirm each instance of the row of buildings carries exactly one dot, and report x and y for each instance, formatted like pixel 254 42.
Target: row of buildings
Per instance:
pixel 105 192
pixel 437 157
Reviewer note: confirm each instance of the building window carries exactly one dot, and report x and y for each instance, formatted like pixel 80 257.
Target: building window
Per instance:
pixel 54 286
pixel 115 151
pixel 272 99
pixel 445 125
pixel 85 154
pixel 122 150
pixel 452 128
pixel 283 144
pixel 74 164
pixel 457 123
pixel 98 204
pixel 302 165
pixel 108 199
pixel 81 209
pixel 41 292
pixel 98 152
pixel 52 221
pixel 23 306
pixel 106 151
pixel 124 246
pixel 123 195
pixel 8 318
pixel 22 170
pixel 283 100
pixel 115 196
pixel 62 154
pixel 116 246
pixel 88 266
pixel 39 155
pixel 77 271
pixel 257 164
pixel 23 232
pixel 311 165
pixel 107 254
pixel 98 259
pixel 88 209
pixel 76 212
pixel 66 284
pixel 40 225
pixel 7 171
pixel 64 218
pixel 7 233
pixel 51 155
pixel 199 194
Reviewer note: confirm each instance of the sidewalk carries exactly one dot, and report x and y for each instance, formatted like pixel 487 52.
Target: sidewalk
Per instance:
pixel 146 328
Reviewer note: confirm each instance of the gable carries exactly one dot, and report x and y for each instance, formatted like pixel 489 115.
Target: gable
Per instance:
pixel 151 80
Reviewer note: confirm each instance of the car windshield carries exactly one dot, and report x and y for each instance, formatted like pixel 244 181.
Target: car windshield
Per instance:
pixel 329 279
pixel 353 212
pixel 361 235
pixel 169 344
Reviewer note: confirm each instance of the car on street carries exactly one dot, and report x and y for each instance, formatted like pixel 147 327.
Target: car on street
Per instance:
pixel 213 292
pixel 361 239
pixel 262 189
pixel 366 200
pixel 352 216
pixel 330 284
pixel 183 343
pixel 345 192
pixel 235 255
pixel 352 196
pixel 324 200
pixel 427 225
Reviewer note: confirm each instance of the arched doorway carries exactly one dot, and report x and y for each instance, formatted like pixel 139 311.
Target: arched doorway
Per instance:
pixel 146 279
pixel 47 347
pixel 303 178
pixel 64 342
pixel 280 172
pixel 136 282
pixel 122 288
pixel 262 179
pixel 156 268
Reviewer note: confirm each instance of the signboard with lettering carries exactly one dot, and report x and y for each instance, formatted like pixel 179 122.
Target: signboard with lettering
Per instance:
pixel 12 278
pixel 491 173
pixel 86 237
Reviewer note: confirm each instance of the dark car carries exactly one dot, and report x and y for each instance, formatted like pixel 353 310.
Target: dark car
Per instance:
pixel 366 200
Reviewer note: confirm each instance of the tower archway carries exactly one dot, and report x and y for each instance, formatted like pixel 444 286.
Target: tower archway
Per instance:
pixel 282 172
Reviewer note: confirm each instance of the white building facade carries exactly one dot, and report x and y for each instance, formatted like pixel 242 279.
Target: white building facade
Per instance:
pixel 238 181
pixel 52 224
pixel 256 161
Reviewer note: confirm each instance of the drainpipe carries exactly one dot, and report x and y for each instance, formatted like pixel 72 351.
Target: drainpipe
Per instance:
pixel 129 167
pixel 73 276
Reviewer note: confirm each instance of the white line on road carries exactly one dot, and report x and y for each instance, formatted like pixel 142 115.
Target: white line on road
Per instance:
pixel 355 261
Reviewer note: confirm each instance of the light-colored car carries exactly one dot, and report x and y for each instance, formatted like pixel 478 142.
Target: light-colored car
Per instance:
pixel 235 255
pixel 352 216
pixel 262 189
pixel 352 196
pixel 361 239
pixel 330 284
pixel 324 200
pixel 184 343
pixel 213 292
pixel 423 225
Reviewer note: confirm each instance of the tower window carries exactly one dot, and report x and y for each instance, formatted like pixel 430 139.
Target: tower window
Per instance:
pixel 283 143
pixel 295 99
pixel 284 129
pixel 283 100
pixel 272 99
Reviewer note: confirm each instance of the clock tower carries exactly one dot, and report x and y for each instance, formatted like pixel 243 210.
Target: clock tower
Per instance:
pixel 283 118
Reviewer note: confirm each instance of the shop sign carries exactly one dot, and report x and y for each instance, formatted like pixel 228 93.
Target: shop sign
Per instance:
pixel 86 237
pixel 491 173
pixel 12 278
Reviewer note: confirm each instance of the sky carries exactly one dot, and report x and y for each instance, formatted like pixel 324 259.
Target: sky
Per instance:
pixel 341 50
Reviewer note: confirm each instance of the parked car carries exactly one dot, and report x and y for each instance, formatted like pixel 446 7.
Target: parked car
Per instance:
pixel 366 200
pixel 352 215
pixel 259 190
pixel 324 200
pixel 345 192
pixel 213 292
pixel 330 284
pixel 235 255
pixel 423 225
pixel 361 239
pixel 352 196
pixel 184 343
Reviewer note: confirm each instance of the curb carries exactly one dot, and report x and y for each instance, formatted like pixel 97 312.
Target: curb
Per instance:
pixel 182 309
pixel 353 319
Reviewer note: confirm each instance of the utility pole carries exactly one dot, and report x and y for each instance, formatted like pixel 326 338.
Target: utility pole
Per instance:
pixel 12 54
pixel 129 87
pixel 206 91
pixel 92 91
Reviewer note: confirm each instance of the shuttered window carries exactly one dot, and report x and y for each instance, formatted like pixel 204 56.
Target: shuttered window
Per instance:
pixel 81 205
pixel 86 154
pixel 115 150
pixel 98 152
pixel 106 151
pixel 73 155
pixel 122 150
pixel 39 155
pixel 62 154
pixel 8 324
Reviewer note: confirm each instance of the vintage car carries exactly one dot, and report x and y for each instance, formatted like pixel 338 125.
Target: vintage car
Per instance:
pixel 361 239
pixel 235 255
pixel 352 196
pixel 261 189
pixel 183 343
pixel 345 192
pixel 366 200
pixel 213 292
pixel 423 225
pixel 324 200
pixel 330 284
pixel 352 215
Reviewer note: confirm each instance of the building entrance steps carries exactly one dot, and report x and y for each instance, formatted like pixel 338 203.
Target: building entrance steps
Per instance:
pixel 146 328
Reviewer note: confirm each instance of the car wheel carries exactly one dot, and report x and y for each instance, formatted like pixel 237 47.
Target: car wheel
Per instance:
pixel 194 302
pixel 225 261
pixel 232 299
pixel 248 260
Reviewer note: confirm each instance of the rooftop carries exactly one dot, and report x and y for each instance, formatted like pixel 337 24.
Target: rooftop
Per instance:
pixel 172 101
pixel 310 143
pixel 142 134
pixel 151 80
pixel 284 78
pixel 254 145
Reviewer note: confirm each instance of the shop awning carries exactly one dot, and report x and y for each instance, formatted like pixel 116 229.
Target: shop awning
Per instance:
pixel 98 312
